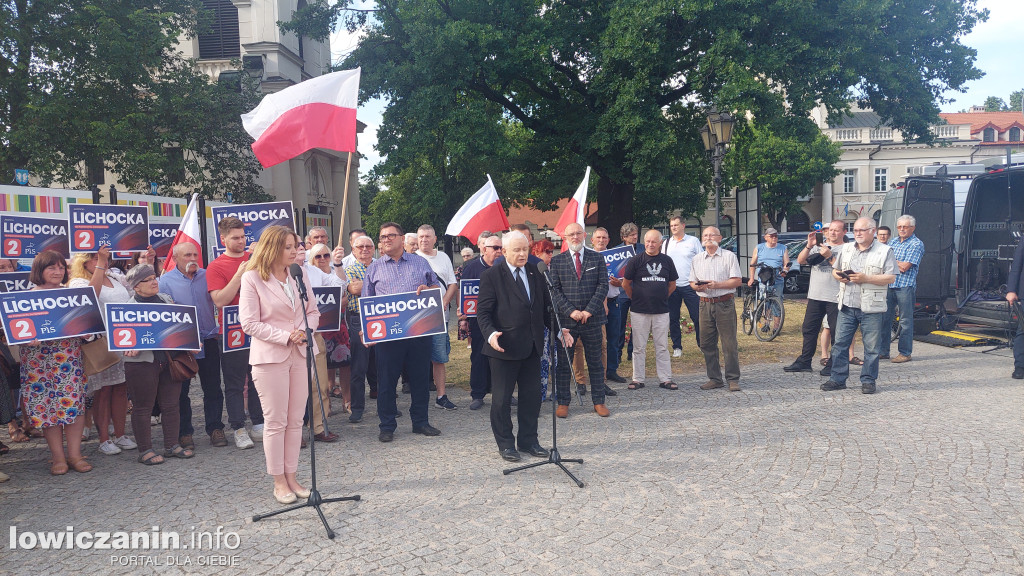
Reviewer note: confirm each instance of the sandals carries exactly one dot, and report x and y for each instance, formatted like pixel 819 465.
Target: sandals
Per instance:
pixel 17 434
pixel 153 458
pixel 79 465
pixel 58 468
pixel 825 360
pixel 336 392
pixel 856 361
pixel 635 385
pixel 668 385
pixel 33 432
pixel 178 452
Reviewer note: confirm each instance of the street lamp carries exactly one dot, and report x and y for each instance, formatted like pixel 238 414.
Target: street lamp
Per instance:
pixel 716 135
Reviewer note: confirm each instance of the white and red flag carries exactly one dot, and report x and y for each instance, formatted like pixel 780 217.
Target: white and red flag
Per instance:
pixel 574 209
pixel 481 212
pixel 317 113
pixel 188 232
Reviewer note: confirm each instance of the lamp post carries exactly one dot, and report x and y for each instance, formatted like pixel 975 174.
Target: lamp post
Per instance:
pixel 716 135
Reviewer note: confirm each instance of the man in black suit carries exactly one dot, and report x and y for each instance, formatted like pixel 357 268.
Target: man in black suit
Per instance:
pixel 512 312
pixel 579 280
pixel 1014 286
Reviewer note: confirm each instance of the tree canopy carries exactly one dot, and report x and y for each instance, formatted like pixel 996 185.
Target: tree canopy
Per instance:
pixel 997 104
pixel 102 83
pixel 623 86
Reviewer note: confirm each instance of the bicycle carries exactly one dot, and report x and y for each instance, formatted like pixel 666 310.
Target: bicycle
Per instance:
pixel 763 311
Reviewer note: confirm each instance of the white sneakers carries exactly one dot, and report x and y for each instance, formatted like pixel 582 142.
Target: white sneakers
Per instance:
pixel 109 448
pixel 125 443
pixel 242 439
pixel 257 432
pixel 677 353
pixel 154 420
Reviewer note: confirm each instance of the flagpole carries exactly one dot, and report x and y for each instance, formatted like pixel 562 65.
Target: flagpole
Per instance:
pixel 344 201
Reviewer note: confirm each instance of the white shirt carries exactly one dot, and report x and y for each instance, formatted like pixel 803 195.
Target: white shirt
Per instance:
pixel 318 278
pixel 682 252
pixel 441 264
pixel 526 279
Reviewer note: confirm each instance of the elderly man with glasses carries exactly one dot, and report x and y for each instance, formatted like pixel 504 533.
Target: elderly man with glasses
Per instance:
pixel 479 371
pixel 864 269
pixel 908 250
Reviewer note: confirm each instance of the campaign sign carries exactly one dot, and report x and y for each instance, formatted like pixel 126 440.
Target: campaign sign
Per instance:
pixel 234 339
pixel 401 316
pixel 27 236
pixel 616 259
pixel 145 326
pixel 161 236
pixel 123 228
pixel 50 314
pixel 468 292
pixel 15 281
pixel 328 300
pixel 256 217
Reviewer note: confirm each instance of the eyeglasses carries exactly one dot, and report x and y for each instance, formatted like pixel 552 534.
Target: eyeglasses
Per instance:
pixel 364 247
pixel 862 230
pixel 573 234
pixel 319 256
pixel 149 279
pixel 771 235
pixel 388 236
pixel 549 251
pixel 493 247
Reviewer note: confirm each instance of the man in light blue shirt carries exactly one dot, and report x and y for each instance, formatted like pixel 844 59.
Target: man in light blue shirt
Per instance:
pixel 186 284
pixel 908 249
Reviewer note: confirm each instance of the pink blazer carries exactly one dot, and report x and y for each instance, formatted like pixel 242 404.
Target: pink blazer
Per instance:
pixel 266 314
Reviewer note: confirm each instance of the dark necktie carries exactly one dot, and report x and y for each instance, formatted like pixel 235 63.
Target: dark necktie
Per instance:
pixel 522 284
pixel 579 266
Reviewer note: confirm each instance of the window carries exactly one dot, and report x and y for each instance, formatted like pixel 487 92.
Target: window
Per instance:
pixel 1014 134
pixel 849 181
pixel 989 135
pixel 95 171
pixel 881 179
pixel 222 40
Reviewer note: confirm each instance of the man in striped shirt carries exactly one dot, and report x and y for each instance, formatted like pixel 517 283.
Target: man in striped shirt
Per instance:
pixel 908 250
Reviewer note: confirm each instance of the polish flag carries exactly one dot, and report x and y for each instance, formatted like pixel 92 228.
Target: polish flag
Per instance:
pixel 188 232
pixel 317 113
pixel 481 212
pixel 574 209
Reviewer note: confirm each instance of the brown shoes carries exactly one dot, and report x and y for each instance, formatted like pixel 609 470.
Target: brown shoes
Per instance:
pixel 562 411
pixel 601 410
pixel 711 385
pixel 326 437
pixel 734 386
pixel 218 439
pixel 900 359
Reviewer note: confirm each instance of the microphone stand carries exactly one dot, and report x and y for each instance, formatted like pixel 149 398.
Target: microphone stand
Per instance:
pixel 315 500
pixel 554 456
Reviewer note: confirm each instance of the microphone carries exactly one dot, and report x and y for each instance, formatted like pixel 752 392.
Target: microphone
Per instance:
pixel 295 271
pixel 543 269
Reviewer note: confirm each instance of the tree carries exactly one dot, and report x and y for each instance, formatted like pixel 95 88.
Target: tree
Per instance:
pixel 784 161
pixel 101 84
pixel 1015 99
pixel 995 104
pixel 624 86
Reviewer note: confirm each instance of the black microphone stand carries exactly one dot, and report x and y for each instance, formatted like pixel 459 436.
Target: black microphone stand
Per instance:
pixel 314 499
pixel 555 331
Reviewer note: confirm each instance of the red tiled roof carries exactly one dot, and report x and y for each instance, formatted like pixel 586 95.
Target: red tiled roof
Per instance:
pixel 1001 121
pixel 541 219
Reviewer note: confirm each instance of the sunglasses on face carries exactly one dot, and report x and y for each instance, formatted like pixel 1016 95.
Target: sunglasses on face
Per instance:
pixel 319 256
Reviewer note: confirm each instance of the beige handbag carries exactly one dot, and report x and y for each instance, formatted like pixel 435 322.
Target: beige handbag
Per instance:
pixel 96 357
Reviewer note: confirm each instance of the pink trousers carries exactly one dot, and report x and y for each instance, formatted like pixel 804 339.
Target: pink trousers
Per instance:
pixel 283 392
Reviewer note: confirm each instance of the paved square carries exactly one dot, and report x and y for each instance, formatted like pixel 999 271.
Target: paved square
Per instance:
pixel 926 477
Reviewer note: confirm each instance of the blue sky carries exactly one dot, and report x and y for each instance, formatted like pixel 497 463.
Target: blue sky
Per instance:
pixel 997 42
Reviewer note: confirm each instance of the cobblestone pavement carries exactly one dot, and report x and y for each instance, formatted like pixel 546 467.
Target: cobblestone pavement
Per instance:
pixel 923 478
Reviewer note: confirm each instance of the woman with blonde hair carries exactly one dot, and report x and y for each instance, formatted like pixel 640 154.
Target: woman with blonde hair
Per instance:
pixel 107 388
pixel 271 310
pixel 338 353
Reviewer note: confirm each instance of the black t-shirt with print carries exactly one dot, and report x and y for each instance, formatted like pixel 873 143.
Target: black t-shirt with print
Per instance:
pixel 650 276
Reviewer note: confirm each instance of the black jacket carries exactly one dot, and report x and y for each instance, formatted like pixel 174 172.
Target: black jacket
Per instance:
pixel 502 307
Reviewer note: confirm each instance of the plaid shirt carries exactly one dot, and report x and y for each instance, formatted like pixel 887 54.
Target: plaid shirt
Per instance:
pixel 909 250
pixel 354 272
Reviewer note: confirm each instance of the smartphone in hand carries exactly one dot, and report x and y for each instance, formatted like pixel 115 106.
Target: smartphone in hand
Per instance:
pixel 702 282
pixel 819 238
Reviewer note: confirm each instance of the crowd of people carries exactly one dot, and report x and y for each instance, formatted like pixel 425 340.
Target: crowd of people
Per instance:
pixel 596 315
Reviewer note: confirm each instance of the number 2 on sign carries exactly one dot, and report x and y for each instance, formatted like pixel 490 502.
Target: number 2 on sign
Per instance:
pixel 125 337
pixel 85 240
pixel 470 307
pixel 376 330
pixel 236 338
pixel 12 247
pixel 24 329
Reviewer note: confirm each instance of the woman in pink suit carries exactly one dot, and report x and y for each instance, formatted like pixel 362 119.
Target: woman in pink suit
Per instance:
pixel 270 309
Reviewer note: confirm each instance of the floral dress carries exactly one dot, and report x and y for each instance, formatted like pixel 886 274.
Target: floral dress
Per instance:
pixel 53 382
